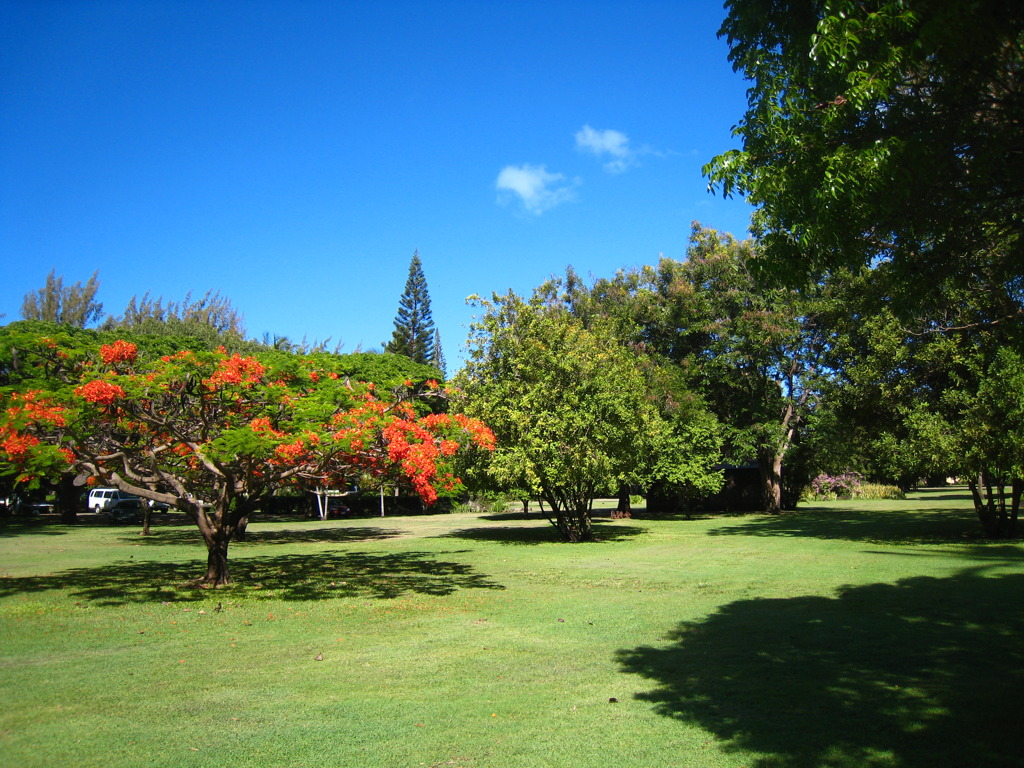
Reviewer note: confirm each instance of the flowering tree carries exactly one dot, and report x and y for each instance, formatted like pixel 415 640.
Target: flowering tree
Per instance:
pixel 215 435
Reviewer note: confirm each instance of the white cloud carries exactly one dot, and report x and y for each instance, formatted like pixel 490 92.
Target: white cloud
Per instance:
pixel 537 188
pixel 613 145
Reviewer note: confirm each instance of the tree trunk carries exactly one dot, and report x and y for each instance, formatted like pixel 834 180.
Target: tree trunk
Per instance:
pixel 238 517
pixel 1017 491
pixel 575 525
pixel 217 530
pixel 997 521
pixel 770 465
pixel 977 486
pixel 623 506
pixel 570 516
pixel 68 495
pixel 217 561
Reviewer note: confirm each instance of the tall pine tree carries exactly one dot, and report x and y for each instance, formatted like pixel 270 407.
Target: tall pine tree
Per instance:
pixel 414 325
pixel 438 360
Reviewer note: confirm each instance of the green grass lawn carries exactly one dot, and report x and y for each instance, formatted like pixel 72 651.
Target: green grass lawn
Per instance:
pixel 847 634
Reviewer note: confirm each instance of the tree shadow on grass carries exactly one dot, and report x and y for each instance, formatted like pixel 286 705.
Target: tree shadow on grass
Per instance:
pixel 316 576
pixel 890 526
pixel 11 528
pixel 689 516
pixel 922 673
pixel 540 534
pixel 498 517
pixel 937 495
pixel 191 535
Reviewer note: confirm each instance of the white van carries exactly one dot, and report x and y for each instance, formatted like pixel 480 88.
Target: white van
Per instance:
pixel 101 499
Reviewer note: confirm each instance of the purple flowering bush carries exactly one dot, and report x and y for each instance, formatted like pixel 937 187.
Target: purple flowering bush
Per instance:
pixel 844 486
pixel 848 485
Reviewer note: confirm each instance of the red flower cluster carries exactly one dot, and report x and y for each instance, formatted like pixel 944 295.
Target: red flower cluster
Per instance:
pixel 185 354
pixel 119 352
pixel 29 404
pixel 435 420
pixel 415 447
pixel 291 452
pixel 412 447
pixel 236 370
pixel 261 426
pixel 16 446
pixel 100 392
pixel 479 432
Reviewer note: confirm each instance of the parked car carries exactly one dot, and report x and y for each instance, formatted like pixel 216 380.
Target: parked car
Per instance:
pixel 158 506
pixel 125 510
pixel 28 507
pixel 337 508
pixel 37 508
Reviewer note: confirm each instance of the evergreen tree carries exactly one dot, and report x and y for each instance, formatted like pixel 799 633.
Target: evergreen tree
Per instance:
pixel 414 326
pixel 438 360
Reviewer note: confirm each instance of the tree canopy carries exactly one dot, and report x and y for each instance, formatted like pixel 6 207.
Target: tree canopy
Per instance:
pixel 882 131
pixel 905 401
pixel 882 149
pixel 572 410
pixel 750 351
pixel 69 304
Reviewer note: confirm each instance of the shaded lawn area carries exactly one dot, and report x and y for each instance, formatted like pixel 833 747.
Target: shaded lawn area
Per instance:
pixel 845 635
pixel 313 533
pixel 312 576
pixel 930 516
pixel 924 672
pixel 532 533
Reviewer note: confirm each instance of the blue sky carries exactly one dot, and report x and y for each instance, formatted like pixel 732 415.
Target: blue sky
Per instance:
pixel 293 154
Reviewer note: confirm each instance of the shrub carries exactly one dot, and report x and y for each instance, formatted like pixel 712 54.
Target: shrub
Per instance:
pixel 848 485
pixel 828 487
pixel 486 504
pixel 879 491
